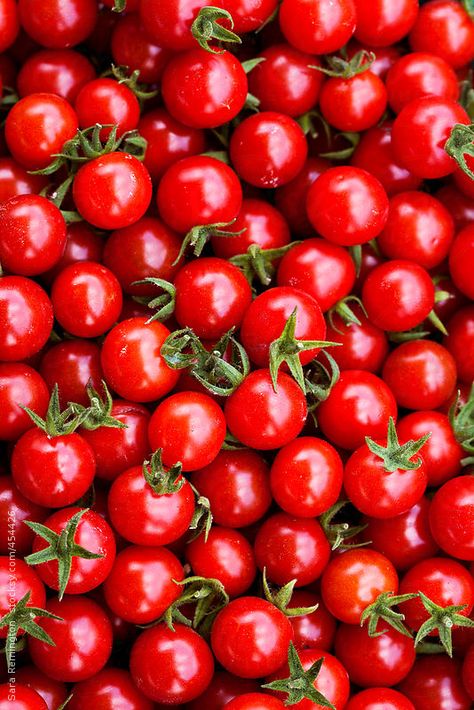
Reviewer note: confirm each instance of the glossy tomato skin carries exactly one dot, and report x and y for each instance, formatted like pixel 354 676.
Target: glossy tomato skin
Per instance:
pixel 28 332
pixel 189 427
pixel 9 24
pixel 398 295
pixel 38 126
pixel 198 190
pixel 32 235
pixel 72 365
pixel 267 315
pixel 109 688
pixel 420 131
pixel 146 518
pixel 384 23
pixel 442 453
pixel 25 580
pixel 460 258
pixel 131 47
pixel 321 269
pixel 264 419
pixel 262 224
pixel 444 28
pixel 52 691
pixel 317 29
pixel 306 477
pixel 291 548
pixel 347 206
pixel 52 472
pixel 55 71
pixel 420 74
pixel 452 517
pixel 169 23
pixel 15 180
pixel 460 342
pixel 291 198
pixel 82 244
pixel 172 667
pixel 20 385
pixel 255 701
pixel 421 374
pixel 132 363
pixel 434 682
pixel 68 22
pixel 145 249
pixel 212 296
pixel 363 347
pixel 87 299
pixel 314 630
pixel 250 637
pixel 226 555
pixel 113 191
pixel 94 534
pixel 286 82
pixel 353 104
pixel 332 680
pixel 237 485
pixel 359 405
pixel 379 699
pixel 14 510
pixel 167 141
pixel 127 590
pixel 383 660
pixel 202 89
pixel 444 581
pixel 374 154
pixel 268 149
pixel 107 101
pixel 24 698
pixel 83 640
pixel 378 492
pixel 419 228
pixel 353 580
pixel 406 538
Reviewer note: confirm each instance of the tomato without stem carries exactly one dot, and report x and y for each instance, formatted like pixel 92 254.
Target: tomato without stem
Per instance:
pixel 384 22
pixel 72 365
pixel 434 682
pixel 420 74
pixel 24 698
pixel 452 517
pixel 55 71
pixel 445 29
pixel 460 342
pixel 68 22
pixel 379 699
pixel 461 258
pixel 111 686
pixel 318 28
pixel 20 385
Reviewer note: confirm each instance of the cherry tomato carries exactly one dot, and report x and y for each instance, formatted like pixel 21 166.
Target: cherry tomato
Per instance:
pixel 107 101
pixel 82 638
pixel 131 47
pixel 226 555
pixel 144 517
pixel 168 22
pixel 398 295
pixel 419 228
pixel 306 477
pixel 359 405
pixel 198 190
pixel 250 637
pixel 132 363
pixel 52 691
pixel 382 660
pixel 20 385
pixel 223 688
pixel 87 299
pixel 26 334
pixel 421 374
pixel 237 486
pixel 183 657
pixel 52 471
pixel 55 71
pixel 268 149
pixel 72 365
pixel 347 206
pixel 18 579
pixel 461 257
pixel 420 131
pixel 445 29
pixel 264 419
pixel 189 427
pixel 460 206
pixel 314 630
pixel 128 591
pixel 318 28
pixel 37 127
pixel 93 534
pixel 363 347
pixel 353 580
pixel 67 23
pixel 110 687
pixel 405 539
pixel 291 548
pixel 9 24
pixel 378 698
pixel 460 342
pixel 452 517
pixel 15 180
pixel 435 681
pixel 419 74
pixel 113 191
pixel 384 23
pixel 291 198
pixel 24 698
pixel 204 90
pixel 14 510
pixel 255 701
pixel 353 104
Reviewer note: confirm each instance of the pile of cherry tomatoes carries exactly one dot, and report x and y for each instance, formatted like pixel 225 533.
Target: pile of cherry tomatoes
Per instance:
pixel 237 354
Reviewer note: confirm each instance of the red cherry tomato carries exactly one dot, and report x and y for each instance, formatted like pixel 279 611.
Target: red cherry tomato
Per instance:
pixel 434 681
pixel 461 258
pixel 68 22
pixel 20 385
pixel 353 104
pixel 419 74
pixel 384 23
pixel 376 698
pixel 55 71
pixel 445 29
pixel 318 28
pixel 452 517
pixel 131 47
pixel 25 335
pixel 109 687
